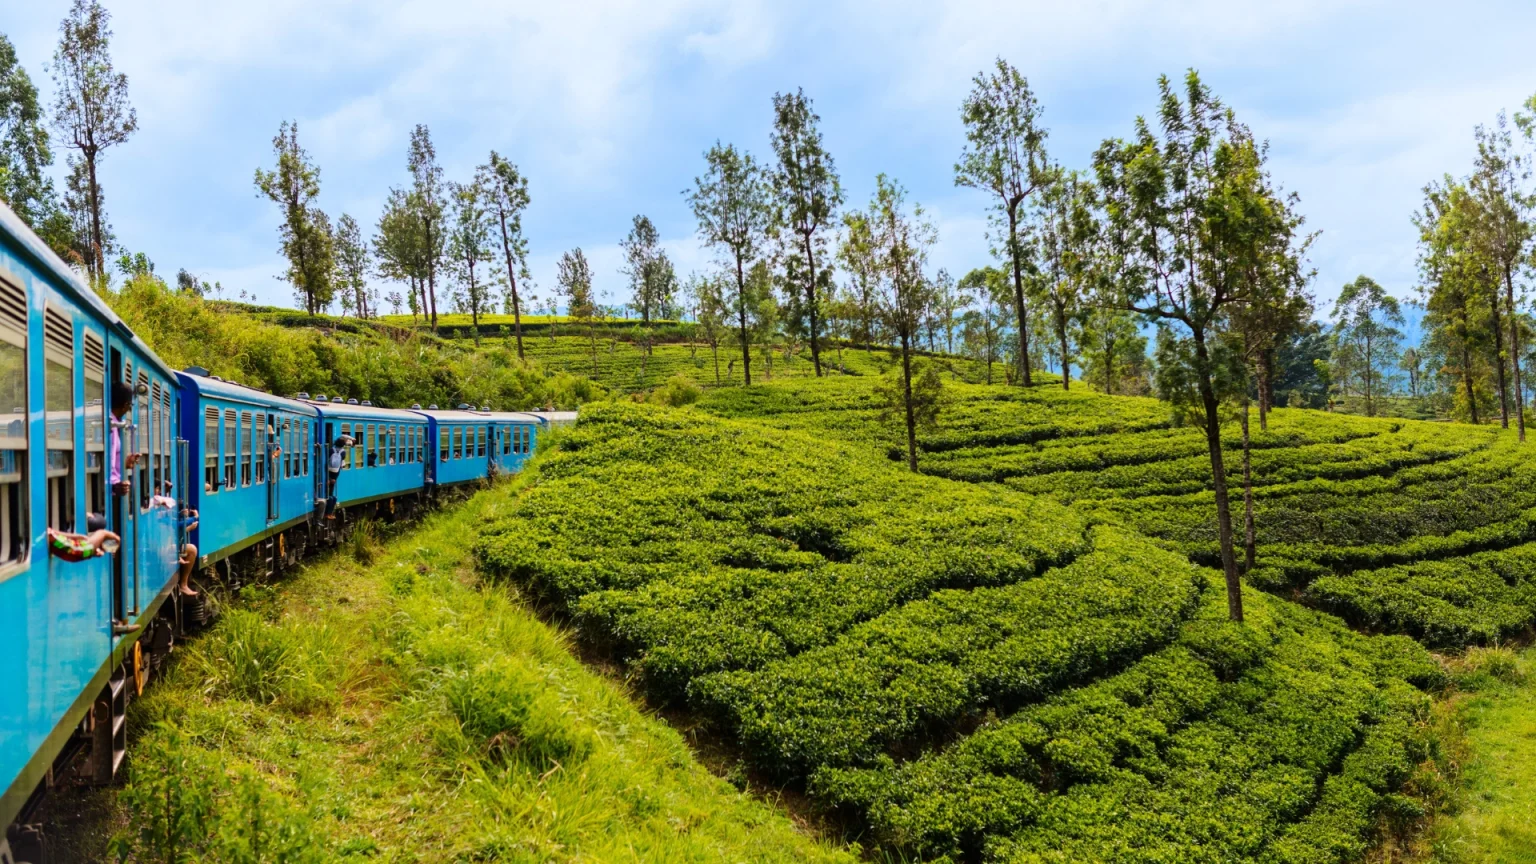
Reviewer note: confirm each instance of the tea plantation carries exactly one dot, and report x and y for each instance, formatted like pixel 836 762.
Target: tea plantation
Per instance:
pixel 1426 529
pixel 963 670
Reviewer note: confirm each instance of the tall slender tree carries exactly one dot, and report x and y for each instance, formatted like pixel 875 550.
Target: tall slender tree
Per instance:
pixel 573 279
pixel 1499 184
pixel 807 193
pixel 507 192
pixel 307 241
pixel 353 264
pixel 429 206
pixel 1368 318
pixel 1189 206
pixel 469 250
pixel 1005 155
pixel 91 110
pixel 642 264
pixel 903 238
pixel 399 249
pixel 731 200
pixel 856 250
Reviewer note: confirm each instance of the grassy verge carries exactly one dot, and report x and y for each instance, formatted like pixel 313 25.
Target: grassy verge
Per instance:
pixel 1494 817
pixel 403 711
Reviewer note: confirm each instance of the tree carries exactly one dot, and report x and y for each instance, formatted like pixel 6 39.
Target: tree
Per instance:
pixel 400 249
pixel 807 194
pixel 652 279
pixel 25 155
pixel 428 207
pixel 573 279
pixel 1454 272
pixel 1190 212
pixel 507 192
pixel 981 328
pixel 710 312
pixel 1365 313
pixel 731 201
pixel 856 249
pixel 1412 363
pixel 1498 184
pixel 1005 155
pixel 353 260
pixel 902 241
pixel 90 110
pixel 306 231
pixel 469 246
pixel 1065 234
pixel 1114 350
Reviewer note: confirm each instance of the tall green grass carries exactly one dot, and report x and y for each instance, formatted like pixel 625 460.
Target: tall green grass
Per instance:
pixel 403 711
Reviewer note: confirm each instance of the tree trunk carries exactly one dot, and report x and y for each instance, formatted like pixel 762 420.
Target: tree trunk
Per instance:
pixel 810 299
pixel 1498 357
pixel 1466 378
pixel 1266 386
pixel 1218 478
pixel 906 383
pixel 1066 367
pixel 98 252
pixel 1249 550
pixel 1018 296
pixel 1514 353
pixel 714 347
pixel 517 309
pixel 741 317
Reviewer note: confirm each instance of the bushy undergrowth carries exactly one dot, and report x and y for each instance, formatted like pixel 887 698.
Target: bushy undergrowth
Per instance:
pixel 1399 526
pixel 392 367
pixel 450 725
pixel 969 671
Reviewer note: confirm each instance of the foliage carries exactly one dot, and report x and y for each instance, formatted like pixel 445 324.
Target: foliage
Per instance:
pixel 462 730
pixel 966 670
pixel 307 239
pixel 807 193
pixel 733 204
pixel 92 114
pixel 507 193
pixel 389 367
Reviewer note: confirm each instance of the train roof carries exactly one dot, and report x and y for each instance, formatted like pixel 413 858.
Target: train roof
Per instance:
pixel 66 280
pixel 211 385
pixel 370 412
pixel 451 416
pixel 555 418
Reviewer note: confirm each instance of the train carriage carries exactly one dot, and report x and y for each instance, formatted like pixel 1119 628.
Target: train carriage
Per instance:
pixel 255 472
pixel 70 632
pixel 462 439
pixel 389 459
pixel 513 436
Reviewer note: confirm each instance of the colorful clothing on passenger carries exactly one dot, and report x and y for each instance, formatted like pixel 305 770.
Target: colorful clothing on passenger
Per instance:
pixel 69 547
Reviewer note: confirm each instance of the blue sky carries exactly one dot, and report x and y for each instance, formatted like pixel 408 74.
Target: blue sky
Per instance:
pixel 608 107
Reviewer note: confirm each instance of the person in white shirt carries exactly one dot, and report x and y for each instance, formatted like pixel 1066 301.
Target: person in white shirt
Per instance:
pixel 337 458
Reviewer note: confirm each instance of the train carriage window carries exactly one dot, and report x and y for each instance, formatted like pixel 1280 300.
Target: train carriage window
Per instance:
pixel 95 425
pixel 211 450
pixel 421 444
pixel 480 441
pixel 167 442
pixel 305 456
pixel 152 422
pixel 394 445
pixel 286 439
pixel 13 424
pixel 371 448
pixel 443 436
pixel 458 442
pixel 527 439
pixel 59 401
pixel 231 451
pixel 142 434
pixel 247 448
pixel 346 429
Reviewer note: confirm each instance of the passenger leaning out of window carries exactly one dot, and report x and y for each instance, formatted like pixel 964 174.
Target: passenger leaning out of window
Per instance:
pixel 122 403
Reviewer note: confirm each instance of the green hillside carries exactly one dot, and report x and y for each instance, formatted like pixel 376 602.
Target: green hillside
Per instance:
pixel 1427 529
pixel 965 670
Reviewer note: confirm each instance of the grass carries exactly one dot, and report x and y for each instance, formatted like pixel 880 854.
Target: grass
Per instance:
pixel 404 711
pixel 1496 817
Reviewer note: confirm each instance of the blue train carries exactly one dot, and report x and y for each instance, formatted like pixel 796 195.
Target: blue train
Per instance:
pixel 81 639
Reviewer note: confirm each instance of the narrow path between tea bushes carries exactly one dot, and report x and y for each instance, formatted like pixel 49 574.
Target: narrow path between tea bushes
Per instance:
pixel 402 711
pixel 1496 817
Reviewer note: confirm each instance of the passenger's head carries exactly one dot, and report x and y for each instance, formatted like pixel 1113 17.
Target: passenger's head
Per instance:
pixel 122 398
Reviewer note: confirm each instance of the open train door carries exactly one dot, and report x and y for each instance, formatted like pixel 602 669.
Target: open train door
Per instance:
pixel 272 468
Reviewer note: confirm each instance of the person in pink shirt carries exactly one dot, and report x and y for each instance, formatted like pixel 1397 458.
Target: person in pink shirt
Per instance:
pixel 122 402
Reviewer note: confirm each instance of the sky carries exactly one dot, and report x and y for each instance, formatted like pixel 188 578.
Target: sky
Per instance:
pixel 607 107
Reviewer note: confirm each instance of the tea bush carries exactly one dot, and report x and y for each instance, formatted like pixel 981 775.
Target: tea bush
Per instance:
pixel 966 670
pixel 1396 525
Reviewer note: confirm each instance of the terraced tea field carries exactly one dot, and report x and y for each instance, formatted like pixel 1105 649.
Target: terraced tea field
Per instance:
pixel 1398 526
pixel 963 669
